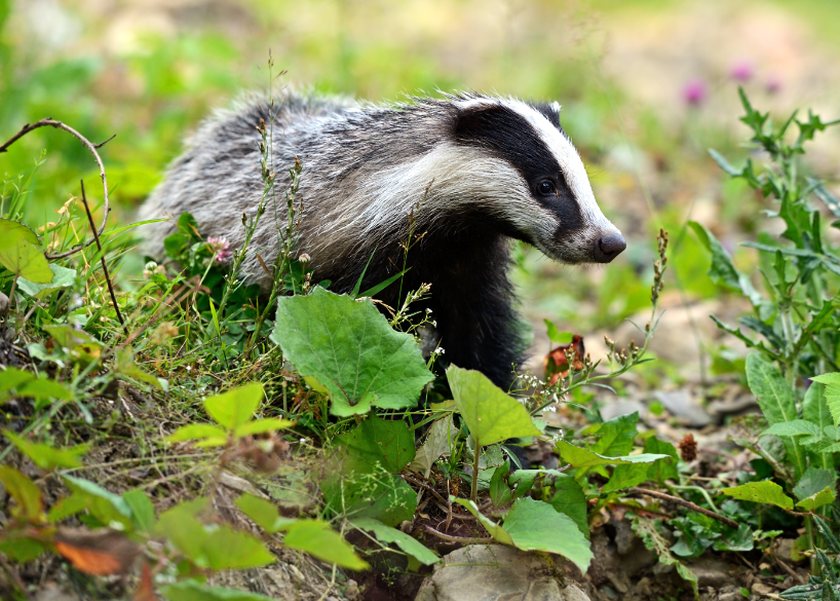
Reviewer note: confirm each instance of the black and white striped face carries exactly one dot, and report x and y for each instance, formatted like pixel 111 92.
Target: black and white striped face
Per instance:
pixel 538 189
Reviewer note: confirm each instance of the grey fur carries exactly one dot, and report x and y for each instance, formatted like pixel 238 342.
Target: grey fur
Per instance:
pixel 365 169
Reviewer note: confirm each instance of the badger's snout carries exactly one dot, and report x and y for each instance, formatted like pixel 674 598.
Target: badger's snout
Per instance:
pixel 608 247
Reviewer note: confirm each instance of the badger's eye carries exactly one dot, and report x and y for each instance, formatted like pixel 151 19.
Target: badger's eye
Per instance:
pixel 546 187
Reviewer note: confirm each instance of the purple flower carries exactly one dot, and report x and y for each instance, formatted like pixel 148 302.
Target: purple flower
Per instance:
pixel 220 247
pixel 694 92
pixel 741 72
pixel 773 85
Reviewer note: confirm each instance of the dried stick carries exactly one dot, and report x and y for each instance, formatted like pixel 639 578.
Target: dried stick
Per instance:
pixel 101 256
pixel 106 206
pixel 684 503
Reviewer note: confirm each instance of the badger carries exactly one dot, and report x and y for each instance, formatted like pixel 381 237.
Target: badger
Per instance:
pixel 468 172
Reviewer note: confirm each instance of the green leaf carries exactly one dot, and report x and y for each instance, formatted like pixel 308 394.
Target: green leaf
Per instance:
pixel 208 434
pixel 536 526
pixel 615 437
pixel 570 499
pixel 105 506
pixel 16 382
pixel 259 426
pixel 814 481
pixel 190 590
pixel 62 278
pixel 408 544
pixel 235 407
pixel 211 546
pixel 496 531
pixel 20 252
pixel 21 548
pixel 723 163
pixel 389 443
pixel 46 456
pixel 625 476
pixel 584 458
pixel 832 393
pixel 373 493
pixel 794 428
pixel 142 509
pixel 653 539
pixel 722 270
pixel 821 498
pixel 660 471
pixel 766 492
pixel 27 497
pixel 317 538
pixel 351 350
pixel 264 513
pixel 126 366
pixel 491 415
pixel 439 441
pixel 772 391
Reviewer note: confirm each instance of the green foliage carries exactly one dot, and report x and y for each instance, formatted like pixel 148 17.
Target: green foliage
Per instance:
pixel 20 253
pixel 348 347
pixel 407 544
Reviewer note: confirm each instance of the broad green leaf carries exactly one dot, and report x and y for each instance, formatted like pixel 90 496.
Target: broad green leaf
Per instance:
pixel 66 507
pixel 16 382
pixel 235 407
pixel 105 506
pixel 625 476
pixel 832 393
pixel 142 509
pixel 815 406
pixel 772 391
pixel 491 415
pixel 20 252
pixel 814 481
pixel 317 538
pixel 208 434
pixel 79 344
pixel 22 490
pixel 350 348
pixel 20 548
pixel 570 499
pixel 264 513
pixel 496 531
pixel 212 546
pixel 62 278
pixel 46 456
pixel 659 471
pixel 190 590
pixel 584 458
pixel 439 441
pixel 615 437
pixel 766 492
pixel 536 526
pixel 389 443
pixel 373 494
pixel 259 426
pixel 819 499
pixel 408 544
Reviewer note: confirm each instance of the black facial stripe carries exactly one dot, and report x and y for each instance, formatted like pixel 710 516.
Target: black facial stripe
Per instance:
pixel 509 136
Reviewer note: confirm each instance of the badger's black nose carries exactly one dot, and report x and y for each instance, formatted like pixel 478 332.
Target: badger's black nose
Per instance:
pixel 610 246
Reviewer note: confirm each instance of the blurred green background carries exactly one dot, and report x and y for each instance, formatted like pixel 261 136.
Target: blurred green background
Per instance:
pixel 646 87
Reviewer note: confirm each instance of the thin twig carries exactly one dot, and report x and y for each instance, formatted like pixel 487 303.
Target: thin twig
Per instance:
pixel 460 540
pixel 102 257
pixel 687 504
pixel 106 206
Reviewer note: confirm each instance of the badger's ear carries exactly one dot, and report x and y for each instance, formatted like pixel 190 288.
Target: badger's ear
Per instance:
pixel 551 111
pixel 481 120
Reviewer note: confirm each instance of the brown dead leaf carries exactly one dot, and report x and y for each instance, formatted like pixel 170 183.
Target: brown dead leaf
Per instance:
pixel 146 586
pixel 98 552
pixel 557 360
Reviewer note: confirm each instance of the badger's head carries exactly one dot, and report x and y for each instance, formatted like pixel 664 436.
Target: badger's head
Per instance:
pixel 530 179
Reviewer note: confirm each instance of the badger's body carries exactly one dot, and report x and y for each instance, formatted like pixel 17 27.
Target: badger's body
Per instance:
pixel 473 171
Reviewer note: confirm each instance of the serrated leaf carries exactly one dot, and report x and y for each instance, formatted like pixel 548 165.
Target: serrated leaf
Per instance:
pixel 584 458
pixel 491 415
pixel 350 348
pixel 191 590
pixel 409 545
pixel 772 391
pixel 615 436
pixel 766 492
pixel 46 456
pixel 318 539
pixel 20 252
pixel 388 443
pixel 794 428
pixel 831 381
pixel 535 526
pixel 235 407
pixel 722 270
pixel 62 278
